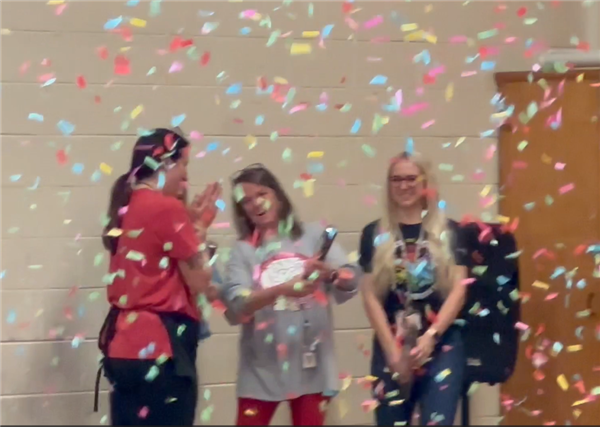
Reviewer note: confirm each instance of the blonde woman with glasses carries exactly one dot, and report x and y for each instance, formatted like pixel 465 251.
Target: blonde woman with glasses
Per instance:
pixel 279 288
pixel 413 290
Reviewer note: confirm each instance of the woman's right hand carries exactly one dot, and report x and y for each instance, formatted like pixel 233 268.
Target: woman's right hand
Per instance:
pixel 398 364
pixel 298 287
pixel 202 208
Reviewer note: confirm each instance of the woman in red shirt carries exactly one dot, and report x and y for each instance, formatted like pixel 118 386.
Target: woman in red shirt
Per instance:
pixel 157 268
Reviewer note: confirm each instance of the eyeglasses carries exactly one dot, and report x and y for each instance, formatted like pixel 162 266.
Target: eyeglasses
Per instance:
pixel 253 166
pixel 410 180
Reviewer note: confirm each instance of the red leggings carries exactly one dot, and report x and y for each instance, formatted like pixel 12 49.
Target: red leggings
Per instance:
pixel 306 410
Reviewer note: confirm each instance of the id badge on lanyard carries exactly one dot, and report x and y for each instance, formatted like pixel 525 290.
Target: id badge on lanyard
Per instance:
pixel 309 354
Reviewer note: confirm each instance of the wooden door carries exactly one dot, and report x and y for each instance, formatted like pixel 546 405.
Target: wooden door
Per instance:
pixel 550 181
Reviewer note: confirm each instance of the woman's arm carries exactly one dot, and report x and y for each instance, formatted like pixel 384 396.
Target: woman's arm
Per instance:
pixel 196 273
pixel 378 318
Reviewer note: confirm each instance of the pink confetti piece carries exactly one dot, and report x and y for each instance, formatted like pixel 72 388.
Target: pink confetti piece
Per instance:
pixel 559 166
pixel 372 23
pixel 175 67
pixel 468 73
pixel 551 296
pixel 196 135
pixel 398 97
pixel 46 77
pixel 521 326
pixel 201 154
pixel 415 108
pixel 459 39
pixel 428 124
pixel 220 225
pixel 351 23
pixel 509 40
pixel 299 107
pixel 249 14
pixel 436 71
pixel 539 253
pixel 60 9
pixel 381 39
pixel 143 412
pixel 566 188
pixel 519 164
pixel 467 281
pixel 489 153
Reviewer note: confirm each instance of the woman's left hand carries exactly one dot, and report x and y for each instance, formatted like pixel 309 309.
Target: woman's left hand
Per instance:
pixel 423 350
pixel 314 264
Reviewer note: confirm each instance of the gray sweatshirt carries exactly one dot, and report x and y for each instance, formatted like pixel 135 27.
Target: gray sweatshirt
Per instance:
pixel 274 344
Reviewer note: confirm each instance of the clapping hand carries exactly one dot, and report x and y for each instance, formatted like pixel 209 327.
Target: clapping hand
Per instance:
pixel 202 208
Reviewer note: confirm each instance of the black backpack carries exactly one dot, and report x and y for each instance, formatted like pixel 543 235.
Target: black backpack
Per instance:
pixel 492 307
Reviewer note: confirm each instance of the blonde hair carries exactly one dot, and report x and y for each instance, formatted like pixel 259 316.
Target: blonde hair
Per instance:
pixel 435 225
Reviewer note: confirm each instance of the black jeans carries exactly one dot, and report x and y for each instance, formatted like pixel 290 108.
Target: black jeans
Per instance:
pixel 437 392
pixel 139 399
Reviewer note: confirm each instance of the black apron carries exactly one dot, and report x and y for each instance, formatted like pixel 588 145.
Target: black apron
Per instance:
pixel 184 347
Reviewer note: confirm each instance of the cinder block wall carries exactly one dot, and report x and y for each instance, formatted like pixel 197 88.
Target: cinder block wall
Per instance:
pixel 58 64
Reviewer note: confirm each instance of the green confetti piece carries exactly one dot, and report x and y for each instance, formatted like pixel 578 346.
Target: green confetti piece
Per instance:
pixel 206 414
pixel 152 374
pixel 180 330
pixel 274 136
pixel 273 38
pixel 521 146
pixel 131 317
pixel 530 21
pixel 238 193
pixel 548 200
pixel 287 155
pixel 346 107
pixel 446 167
pixel 134 234
pixel 479 270
pixel 311 9
pixel 123 300
pixel 104 419
pixel 543 83
pixel 392 394
pixel 207 394
pixel 135 256
pixel 151 163
pixel 368 150
pixel 162 359
pixel 473 388
pixel 168 246
pixel 170 399
pixel 314 276
pixel 94 296
pixel 290 96
pixel 532 109
pixel 475 308
pixel 561 67
pixel 98 259
pixel 457 178
pixel 298 286
pixel 269 338
pixel 514 295
pixel 109 278
pixel 595 391
pixel 13 230
pixel 487 34
pixel 285 366
pixel 164 263
pixel 151 71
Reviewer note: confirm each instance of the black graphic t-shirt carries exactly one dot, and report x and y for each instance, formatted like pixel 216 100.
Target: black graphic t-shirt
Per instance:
pixel 415 270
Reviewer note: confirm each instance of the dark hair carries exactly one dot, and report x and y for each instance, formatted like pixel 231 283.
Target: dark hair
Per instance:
pixel 149 154
pixel 260 175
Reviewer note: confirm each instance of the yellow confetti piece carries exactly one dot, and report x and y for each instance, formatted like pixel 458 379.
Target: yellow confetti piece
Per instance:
pixel 136 111
pixel 574 348
pixel 546 159
pixel 39 312
pixel 124 49
pixel 431 38
pixel 580 402
pixel 55 2
pixel 342 408
pixel 396 402
pixel 580 77
pixel 137 22
pixel 562 382
pixel 300 48
pixel 353 257
pixel 114 232
pixel 541 285
pixel 315 155
pixel 250 140
pixel 409 27
pixel 415 36
pixel 460 141
pixel 5 32
pixel 370 378
pixel 280 80
pixel 105 169
pixel 346 382
pixel 503 219
pixel 310 34
pixel 428 8
pixel 577 413
pixel 486 190
pixel 309 188
pixel 449 92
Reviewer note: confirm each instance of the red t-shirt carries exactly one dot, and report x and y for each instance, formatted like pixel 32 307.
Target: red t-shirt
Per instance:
pixel 157 233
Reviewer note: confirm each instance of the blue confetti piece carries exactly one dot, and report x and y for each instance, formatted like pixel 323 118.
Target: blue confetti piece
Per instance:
pixel 245 31
pixel 161 180
pixel 379 80
pixel 484 312
pixel 212 146
pixel 2 274
pixel 234 89
pixel 111 24
pixel 12 317
pixel 497 338
pixel 177 120
pixel 315 168
pixel 356 126
pixel 291 330
pixel 502 280
pixel 65 127
pixel 151 347
pixel 144 132
pixel 487 133
pixel 132 3
pixel 321 107
pixel 488 65
pixel 581 284
pixel 326 31
pixel 36 117
pixel 410 146
pixel 220 204
pixel 259 120
pixel 442 205
pixel 77 168
pixel 96 176
pixel 49 82
pixel 380 239
pixel 143 353
pixel 558 272
pixel 471 59
pixel 15 178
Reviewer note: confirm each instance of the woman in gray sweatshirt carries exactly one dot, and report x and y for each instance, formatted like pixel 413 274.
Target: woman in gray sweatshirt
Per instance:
pixel 280 292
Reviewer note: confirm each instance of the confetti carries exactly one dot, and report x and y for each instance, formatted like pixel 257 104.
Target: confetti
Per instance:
pixel 300 48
